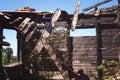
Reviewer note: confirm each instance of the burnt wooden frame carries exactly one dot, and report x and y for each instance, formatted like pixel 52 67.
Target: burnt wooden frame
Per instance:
pixel 84 21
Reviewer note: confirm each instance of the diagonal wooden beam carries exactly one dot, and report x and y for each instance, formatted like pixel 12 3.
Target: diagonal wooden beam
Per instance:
pixel 42 43
pixel 28 27
pixel 47 32
pixel 57 63
pixel 24 23
pixel 16 20
pixel 30 34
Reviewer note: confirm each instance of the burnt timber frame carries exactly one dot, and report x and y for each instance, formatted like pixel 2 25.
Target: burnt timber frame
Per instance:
pixel 84 21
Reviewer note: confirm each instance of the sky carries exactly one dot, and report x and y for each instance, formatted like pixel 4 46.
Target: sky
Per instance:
pixel 48 5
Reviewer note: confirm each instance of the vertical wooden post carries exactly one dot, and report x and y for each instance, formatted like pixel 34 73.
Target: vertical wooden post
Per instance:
pixel 99 51
pixel 70 55
pixel 19 43
pixel 70 48
pixel 1 67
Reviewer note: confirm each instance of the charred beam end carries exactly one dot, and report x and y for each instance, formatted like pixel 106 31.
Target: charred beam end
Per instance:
pixel 4 43
pixel 96 5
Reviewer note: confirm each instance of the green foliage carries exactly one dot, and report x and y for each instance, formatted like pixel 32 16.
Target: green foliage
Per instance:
pixel 35 40
pixel 49 73
pixel 112 63
pixel 100 67
pixel 7 55
pixel 111 69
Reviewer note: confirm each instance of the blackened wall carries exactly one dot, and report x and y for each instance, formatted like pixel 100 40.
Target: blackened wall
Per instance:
pixel 110 42
pixel 85 55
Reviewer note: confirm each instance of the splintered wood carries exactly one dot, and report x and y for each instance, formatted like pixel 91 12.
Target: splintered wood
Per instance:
pixel 41 43
pixel 46 34
pixel 75 16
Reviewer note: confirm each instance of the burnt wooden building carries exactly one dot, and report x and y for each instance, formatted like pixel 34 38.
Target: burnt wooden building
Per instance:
pixel 86 53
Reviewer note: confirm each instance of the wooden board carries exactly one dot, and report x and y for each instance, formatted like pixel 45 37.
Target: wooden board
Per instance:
pixel 3 43
pixel 57 63
pixel 27 28
pixel 46 32
pixel 96 5
pixel 42 43
pixel 55 16
pixel 75 16
pixel 30 34
pixel 23 24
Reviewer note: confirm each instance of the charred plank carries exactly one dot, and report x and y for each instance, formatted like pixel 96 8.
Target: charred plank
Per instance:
pixel 96 5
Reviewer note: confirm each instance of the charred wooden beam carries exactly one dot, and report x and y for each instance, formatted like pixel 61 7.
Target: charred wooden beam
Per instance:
pixel 20 47
pixel 96 5
pixel 91 20
pixel 5 15
pixel 94 21
pixel 31 34
pixel 24 23
pixel 42 42
pixel 1 67
pixel 84 20
pixel 3 43
pixel 57 63
pixel 26 14
pixel 99 50
pixel 15 20
pixel 28 27
pixel 47 31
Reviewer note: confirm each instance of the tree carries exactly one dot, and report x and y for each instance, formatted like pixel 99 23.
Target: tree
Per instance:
pixel 7 55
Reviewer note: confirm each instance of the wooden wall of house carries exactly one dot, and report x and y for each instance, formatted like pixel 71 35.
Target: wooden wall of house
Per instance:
pixel 85 55
pixel 110 42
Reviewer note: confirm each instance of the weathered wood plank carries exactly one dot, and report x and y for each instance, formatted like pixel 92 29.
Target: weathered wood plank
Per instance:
pixel 23 24
pixel 30 34
pixel 28 27
pixel 96 5
pixel 75 17
pixel 16 20
pixel 55 16
pixel 42 40
pixel 3 43
pixel 46 32
pixel 57 63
